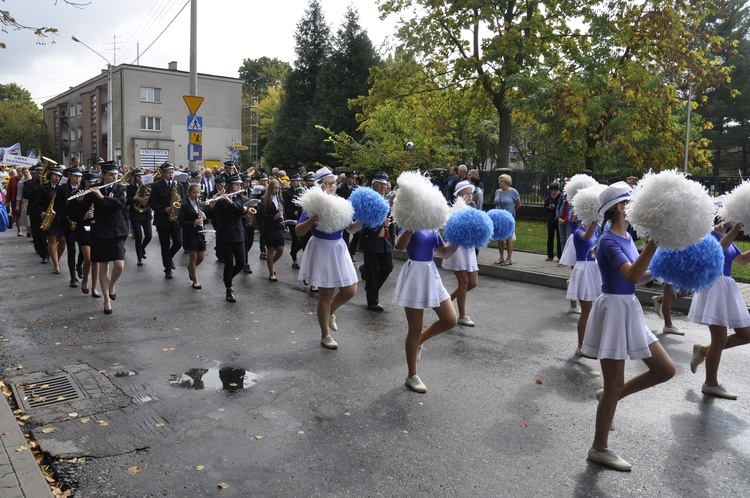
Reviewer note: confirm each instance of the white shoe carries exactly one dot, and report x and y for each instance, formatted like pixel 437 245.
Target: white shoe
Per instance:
pixel 610 459
pixel 580 352
pixel 329 343
pixel 696 359
pixel 416 384
pixel 574 311
pixel 657 305
pixel 466 321
pixel 718 391
pixel 672 330
pixel 599 395
pixel 332 323
pixel 419 352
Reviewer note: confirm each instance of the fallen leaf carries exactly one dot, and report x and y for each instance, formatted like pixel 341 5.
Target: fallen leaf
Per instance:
pixel 103 423
pixel 223 485
pixel 85 420
pixel 300 432
pixel 21 448
pixel 40 321
pixel 25 417
pixel 347 414
pixel 160 424
pixel 61 398
pixel 48 430
pixel 524 426
pixel 199 467
pixel 272 391
pixel 134 470
pixel 538 381
pixel 102 371
pixel 198 356
pixel 221 409
pixel 45 386
pixel 58 343
pixel 259 437
pixel 6 433
pixel 73 414
pixel 167 349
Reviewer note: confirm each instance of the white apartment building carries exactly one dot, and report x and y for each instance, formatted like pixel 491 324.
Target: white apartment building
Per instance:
pixel 149 117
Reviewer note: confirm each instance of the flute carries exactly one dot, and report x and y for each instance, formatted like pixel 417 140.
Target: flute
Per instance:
pixel 81 193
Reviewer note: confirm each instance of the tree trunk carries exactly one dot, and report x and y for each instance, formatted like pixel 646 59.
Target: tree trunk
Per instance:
pixel 588 159
pixel 503 135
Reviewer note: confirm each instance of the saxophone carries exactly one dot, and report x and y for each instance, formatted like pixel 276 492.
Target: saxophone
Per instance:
pixel 175 203
pixel 47 221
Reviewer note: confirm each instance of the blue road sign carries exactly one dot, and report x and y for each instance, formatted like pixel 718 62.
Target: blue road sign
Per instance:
pixel 195 152
pixel 194 123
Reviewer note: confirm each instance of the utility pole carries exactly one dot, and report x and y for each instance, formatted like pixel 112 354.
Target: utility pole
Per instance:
pixel 193 90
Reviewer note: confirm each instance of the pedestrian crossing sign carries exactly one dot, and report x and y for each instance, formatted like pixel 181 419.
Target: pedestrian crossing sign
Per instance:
pixel 194 123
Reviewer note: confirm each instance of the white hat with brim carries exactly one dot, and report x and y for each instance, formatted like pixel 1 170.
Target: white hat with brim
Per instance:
pixel 614 194
pixel 462 185
pixel 323 173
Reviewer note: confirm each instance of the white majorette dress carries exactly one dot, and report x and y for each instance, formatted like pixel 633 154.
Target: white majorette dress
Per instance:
pixel 616 328
pixel 722 303
pixel 326 262
pixel 585 280
pixel 464 259
pixel 419 285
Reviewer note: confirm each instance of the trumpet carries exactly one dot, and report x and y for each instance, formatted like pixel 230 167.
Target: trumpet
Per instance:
pixel 81 193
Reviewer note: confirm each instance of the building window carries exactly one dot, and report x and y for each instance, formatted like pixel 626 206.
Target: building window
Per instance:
pixel 149 123
pixel 80 133
pixel 72 111
pixel 72 134
pixel 150 94
pixel 79 109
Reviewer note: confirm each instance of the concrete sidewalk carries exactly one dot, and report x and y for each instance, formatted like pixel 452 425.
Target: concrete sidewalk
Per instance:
pixel 21 477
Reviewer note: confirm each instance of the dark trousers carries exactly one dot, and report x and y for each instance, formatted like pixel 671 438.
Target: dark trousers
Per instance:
pixel 142 234
pixel 354 242
pixel 553 230
pixel 70 245
pixel 296 246
pixel 38 236
pixel 234 260
pixel 377 268
pixel 171 242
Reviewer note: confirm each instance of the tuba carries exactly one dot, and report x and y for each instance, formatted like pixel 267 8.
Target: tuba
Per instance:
pixel 176 202
pixel 51 213
pixel 144 191
pixel 126 177
pixel 48 163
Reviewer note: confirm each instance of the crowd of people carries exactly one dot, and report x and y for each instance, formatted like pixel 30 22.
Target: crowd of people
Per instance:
pixel 90 214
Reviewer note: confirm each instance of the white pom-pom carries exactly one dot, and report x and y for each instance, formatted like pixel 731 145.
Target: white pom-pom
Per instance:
pixel 417 205
pixel 576 184
pixel 672 210
pixel 736 207
pixel 586 204
pixel 458 205
pixel 333 212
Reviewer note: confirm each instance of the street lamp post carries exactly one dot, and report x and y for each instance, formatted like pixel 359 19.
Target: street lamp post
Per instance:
pixel 110 137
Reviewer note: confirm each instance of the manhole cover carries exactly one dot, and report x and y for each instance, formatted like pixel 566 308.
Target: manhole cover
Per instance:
pixel 47 391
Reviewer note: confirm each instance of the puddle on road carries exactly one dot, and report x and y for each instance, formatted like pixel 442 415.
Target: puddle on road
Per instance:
pixel 225 378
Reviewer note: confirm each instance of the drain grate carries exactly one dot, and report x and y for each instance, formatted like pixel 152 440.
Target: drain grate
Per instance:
pixel 47 391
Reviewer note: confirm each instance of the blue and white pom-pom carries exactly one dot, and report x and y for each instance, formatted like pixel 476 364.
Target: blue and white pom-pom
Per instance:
pixel 370 207
pixel 736 207
pixel 692 269
pixel 333 212
pixel 468 228
pixel 576 184
pixel 418 206
pixel 672 210
pixel 503 224
pixel 586 204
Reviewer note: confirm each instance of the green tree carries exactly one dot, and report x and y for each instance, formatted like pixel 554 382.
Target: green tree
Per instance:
pixel 21 120
pixel 493 44
pixel 261 74
pixel 293 139
pixel 345 76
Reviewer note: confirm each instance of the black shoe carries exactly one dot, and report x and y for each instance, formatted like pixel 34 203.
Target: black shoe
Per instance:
pixel 168 275
pixel 295 266
pixel 85 291
pixel 362 272
pixel 140 263
pixel 230 296
pixel 375 307
pixel 107 311
pixel 263 255
pixel 143 256
pixel 173 266
pixel 74 282
pixel 247 269
pixel 79 271
pixel 45 260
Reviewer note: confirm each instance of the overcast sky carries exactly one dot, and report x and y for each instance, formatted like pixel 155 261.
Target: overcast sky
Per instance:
pixel 228 32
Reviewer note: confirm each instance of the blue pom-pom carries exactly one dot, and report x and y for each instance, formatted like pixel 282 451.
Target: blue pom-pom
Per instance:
pixel 370 207
pixel 468 228
pixel 692 269
pixel 503 224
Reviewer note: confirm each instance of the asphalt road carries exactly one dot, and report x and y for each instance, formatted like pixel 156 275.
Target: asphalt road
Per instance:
pixel 509 409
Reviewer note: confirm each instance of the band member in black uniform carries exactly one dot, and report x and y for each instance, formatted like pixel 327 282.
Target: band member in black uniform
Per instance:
pixel 108 231
pixel 191 219
pixel 345 190
pixel 30 189
pixel 230 234
pixel 164 194
pixel 258 190
pixel 248 221
pixel 46 197
pixel 377 249
pixel 71 187
pixel 292 212
pixel 140 215
pixel 221 184
pixel 272 212
pixel 83 214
